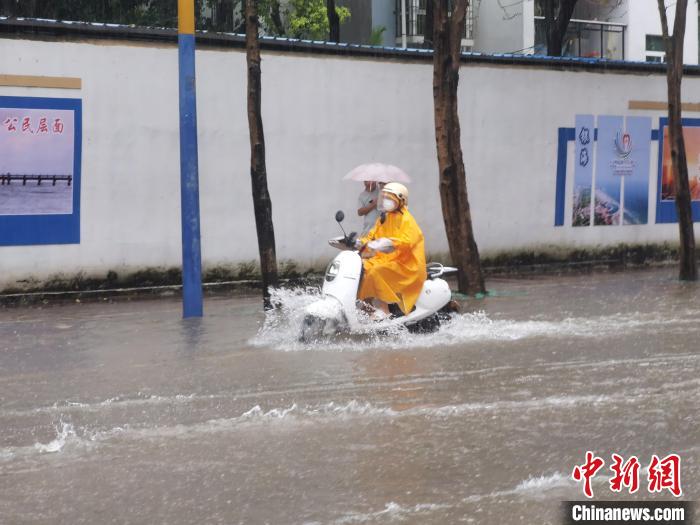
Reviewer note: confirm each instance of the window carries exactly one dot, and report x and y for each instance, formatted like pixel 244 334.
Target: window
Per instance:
pixel 587 39
pixel 655 49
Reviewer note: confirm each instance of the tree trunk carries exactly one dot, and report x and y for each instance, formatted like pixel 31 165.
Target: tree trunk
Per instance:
pixel 447 35
pixel 333 21
pixel 258 171
pixel 557 14
pixel 688 270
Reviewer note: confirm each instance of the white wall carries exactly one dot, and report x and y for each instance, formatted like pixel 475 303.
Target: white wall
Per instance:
pixel 323 115
pixel 644 20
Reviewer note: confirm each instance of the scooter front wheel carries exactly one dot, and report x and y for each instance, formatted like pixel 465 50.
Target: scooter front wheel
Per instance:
pixel 314 328
pixel 425 326
pixel 311 328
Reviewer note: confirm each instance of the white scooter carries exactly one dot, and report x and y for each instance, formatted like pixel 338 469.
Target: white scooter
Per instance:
pixel 336 310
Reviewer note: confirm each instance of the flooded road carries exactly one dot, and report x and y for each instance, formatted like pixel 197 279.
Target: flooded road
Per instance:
pixel 124 413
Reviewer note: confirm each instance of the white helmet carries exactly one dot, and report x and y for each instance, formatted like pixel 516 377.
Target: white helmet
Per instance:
pixel 398 190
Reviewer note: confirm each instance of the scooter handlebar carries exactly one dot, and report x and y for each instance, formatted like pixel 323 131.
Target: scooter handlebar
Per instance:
pixel 345 242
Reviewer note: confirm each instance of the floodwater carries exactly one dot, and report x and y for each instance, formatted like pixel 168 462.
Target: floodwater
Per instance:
pixel 124 413
pixel 32 199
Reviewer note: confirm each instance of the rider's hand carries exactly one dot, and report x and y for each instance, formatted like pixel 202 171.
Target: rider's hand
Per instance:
pixel 383 245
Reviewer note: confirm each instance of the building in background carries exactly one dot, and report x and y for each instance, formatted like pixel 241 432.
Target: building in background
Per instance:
pixel 609 29
pixel 395 23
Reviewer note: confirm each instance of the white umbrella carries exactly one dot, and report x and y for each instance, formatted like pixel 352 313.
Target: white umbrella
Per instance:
pixel 378 172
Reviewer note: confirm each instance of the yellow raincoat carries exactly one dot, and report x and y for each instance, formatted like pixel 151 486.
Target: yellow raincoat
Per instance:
pixel 395 277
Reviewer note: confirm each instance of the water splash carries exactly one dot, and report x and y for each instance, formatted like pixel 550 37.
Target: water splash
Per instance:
pixel 282 327
pixel 68 437
pixel 65 434
pixel 392 511
pixel 544 482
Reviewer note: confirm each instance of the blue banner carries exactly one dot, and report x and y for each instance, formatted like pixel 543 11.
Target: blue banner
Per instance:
pixel 612 146
pixel 633 158
pixel 583 170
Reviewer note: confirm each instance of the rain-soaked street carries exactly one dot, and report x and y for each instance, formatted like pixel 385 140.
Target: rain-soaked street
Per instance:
pixel 124 413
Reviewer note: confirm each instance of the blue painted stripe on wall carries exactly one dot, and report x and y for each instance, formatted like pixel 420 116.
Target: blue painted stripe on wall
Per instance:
pixel 189 182
pixel 565 135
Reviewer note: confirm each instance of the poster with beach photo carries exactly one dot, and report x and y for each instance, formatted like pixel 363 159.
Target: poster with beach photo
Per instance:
pixel 40 164
pixel 37 153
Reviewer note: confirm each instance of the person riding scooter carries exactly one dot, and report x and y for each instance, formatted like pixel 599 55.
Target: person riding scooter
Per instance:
pixel 393 254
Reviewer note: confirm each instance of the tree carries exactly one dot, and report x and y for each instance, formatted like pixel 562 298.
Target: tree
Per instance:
pixel 300 18
pixel 679 165
pixel 447 36
pixel 557 14
pixel 309 19
pixel 262 203
pixel 333 21
pixel 275 18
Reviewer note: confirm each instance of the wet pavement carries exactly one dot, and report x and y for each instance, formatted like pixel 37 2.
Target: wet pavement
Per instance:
pixel 124 413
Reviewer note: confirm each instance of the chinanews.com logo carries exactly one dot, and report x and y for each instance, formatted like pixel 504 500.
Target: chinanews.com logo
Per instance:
pixel 658 476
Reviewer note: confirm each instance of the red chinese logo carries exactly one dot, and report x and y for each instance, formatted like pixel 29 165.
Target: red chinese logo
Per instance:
pixel 626 474
pixel 587 472
pixel 663 473
pixel 58 126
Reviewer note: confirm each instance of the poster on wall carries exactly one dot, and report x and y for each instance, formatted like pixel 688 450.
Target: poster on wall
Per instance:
pixel 606 208
pixel 633 148
pixel 691 135
pixel 583 170
pixel 40 152
pixel 665 200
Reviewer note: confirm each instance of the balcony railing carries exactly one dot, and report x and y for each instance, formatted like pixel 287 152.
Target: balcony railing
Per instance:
pixel 586 38
pixel 415 23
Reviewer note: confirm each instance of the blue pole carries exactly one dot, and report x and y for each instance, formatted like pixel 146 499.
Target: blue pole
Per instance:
pixel 189 175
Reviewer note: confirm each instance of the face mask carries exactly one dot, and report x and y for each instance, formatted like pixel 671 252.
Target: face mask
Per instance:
pixel 388 205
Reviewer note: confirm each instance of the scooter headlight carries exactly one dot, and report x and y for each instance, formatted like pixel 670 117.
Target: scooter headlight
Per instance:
pixel 332 270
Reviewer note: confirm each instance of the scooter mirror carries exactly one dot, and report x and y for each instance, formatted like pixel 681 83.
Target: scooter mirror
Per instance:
pixel 339 216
